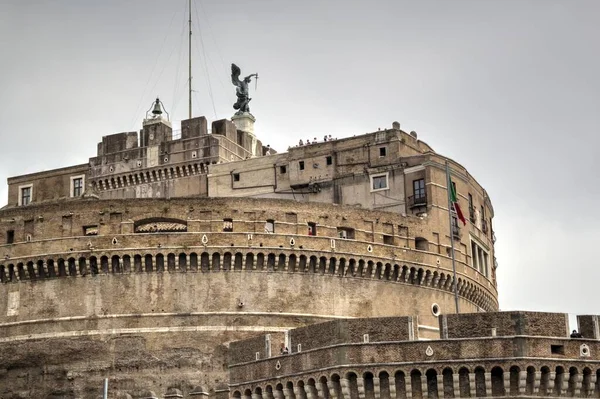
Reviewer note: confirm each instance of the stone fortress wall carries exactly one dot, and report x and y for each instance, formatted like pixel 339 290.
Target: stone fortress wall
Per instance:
pixel 167 257
pixel 507 354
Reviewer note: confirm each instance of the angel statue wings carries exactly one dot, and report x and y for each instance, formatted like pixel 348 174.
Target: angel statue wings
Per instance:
pixel 241 91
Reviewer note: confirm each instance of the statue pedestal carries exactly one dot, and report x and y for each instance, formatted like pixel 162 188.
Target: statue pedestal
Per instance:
pixel 245 123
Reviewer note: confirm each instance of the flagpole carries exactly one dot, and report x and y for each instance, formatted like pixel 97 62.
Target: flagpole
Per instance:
pixel 455 283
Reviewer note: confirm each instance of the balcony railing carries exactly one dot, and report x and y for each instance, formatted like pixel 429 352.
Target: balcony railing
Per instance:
pixel 456 230
pixel 417 200
pixel 484 226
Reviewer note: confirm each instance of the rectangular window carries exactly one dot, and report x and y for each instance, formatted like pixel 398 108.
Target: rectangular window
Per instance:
pixel 282 169
pixel 10 236
pixel 388 240
pixel 77 187
pixel 379 182
pixel 25 195
pixel 329 160
pixel 480 259
pixel 301 165
pixel 236 177
pixel 228 225
pixel 345 233
pixel 382 152
pixel 419 189
pixel 270 226
pixel 312 229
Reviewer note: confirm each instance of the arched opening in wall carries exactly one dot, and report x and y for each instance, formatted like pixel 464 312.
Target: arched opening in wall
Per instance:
pixel 310 389
pixel 573 378
pixel 420 277
pixel 369 385
pixel 126 263
pixel 370 270
pixel 558 380
pixel 171 262
pixel 247 394
pixel 281 262
pixel 270 262
pixel 360 272
pixel 40 270
pixel 258 392
pixel 331 269
pixel 448 382
pixel 290 388
pixel 269 391
pixel 115 264
pixel 480 391
pixel 137 263
pixel 325 386
pixel 587 389
pixel 148 263
pixel 21 271
pixel 205 262
pixel 387 271
pixel 249 260
pixel 400 384
pixel 51 268
pixel 94 266
pixel 322 265
pixel 421 244
pixel 3 274
pixel 384 385
pixel 351 268
pixel 194 262
pixel 238 261
pixel 405 274
pixel 413 276
pixel 353 385
pixel 497 375
pixel 237 394
pixel 337 387
pixel 182 262
pixel 160 263
pixel 279 391
pixel 104 264
pixel 312 264
pixel 379 271
pixel 432 385
pixel 415 381
pixel 292 263
pixel 544 381
pixel 227 261
pixel 62 270
pixel 301 390
pixel 260 261
pixel 530 380
pixel 396 274
pixel 216 262
pixel 302 265
pixel 597 385
pixel 514 380
pixel 342 267
pixel 31 271
pixel 10 273
pixel 71 267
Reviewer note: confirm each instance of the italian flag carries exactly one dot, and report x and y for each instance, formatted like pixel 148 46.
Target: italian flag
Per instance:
pixel 454 201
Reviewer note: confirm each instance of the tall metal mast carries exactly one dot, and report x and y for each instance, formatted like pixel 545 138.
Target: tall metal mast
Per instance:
pixel 190 62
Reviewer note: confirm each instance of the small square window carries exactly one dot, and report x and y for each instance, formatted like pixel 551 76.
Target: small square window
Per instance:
pixel 379 182
pixel 270 226
pixel 236 177
pixel 301 165
pixel 228 225
pixel 557 349
pixel 388 240
pixel 10 236
pixel 345 233
pixel 312 229
pixel 329 160
pixel 382 151
pixel 282 169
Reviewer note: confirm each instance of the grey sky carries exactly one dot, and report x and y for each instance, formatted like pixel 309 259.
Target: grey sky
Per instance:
pixel 510 89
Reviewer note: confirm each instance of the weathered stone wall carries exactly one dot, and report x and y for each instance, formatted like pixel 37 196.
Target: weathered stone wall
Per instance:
pixel 588 326
pixel 505 324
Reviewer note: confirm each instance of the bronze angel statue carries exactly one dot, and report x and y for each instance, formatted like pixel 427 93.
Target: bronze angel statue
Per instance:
pixel 243 101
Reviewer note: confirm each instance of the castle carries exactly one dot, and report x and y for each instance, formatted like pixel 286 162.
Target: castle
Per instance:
pixel 194 264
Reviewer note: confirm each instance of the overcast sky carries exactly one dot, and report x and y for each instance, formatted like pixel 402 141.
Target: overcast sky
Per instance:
pixel 510 89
